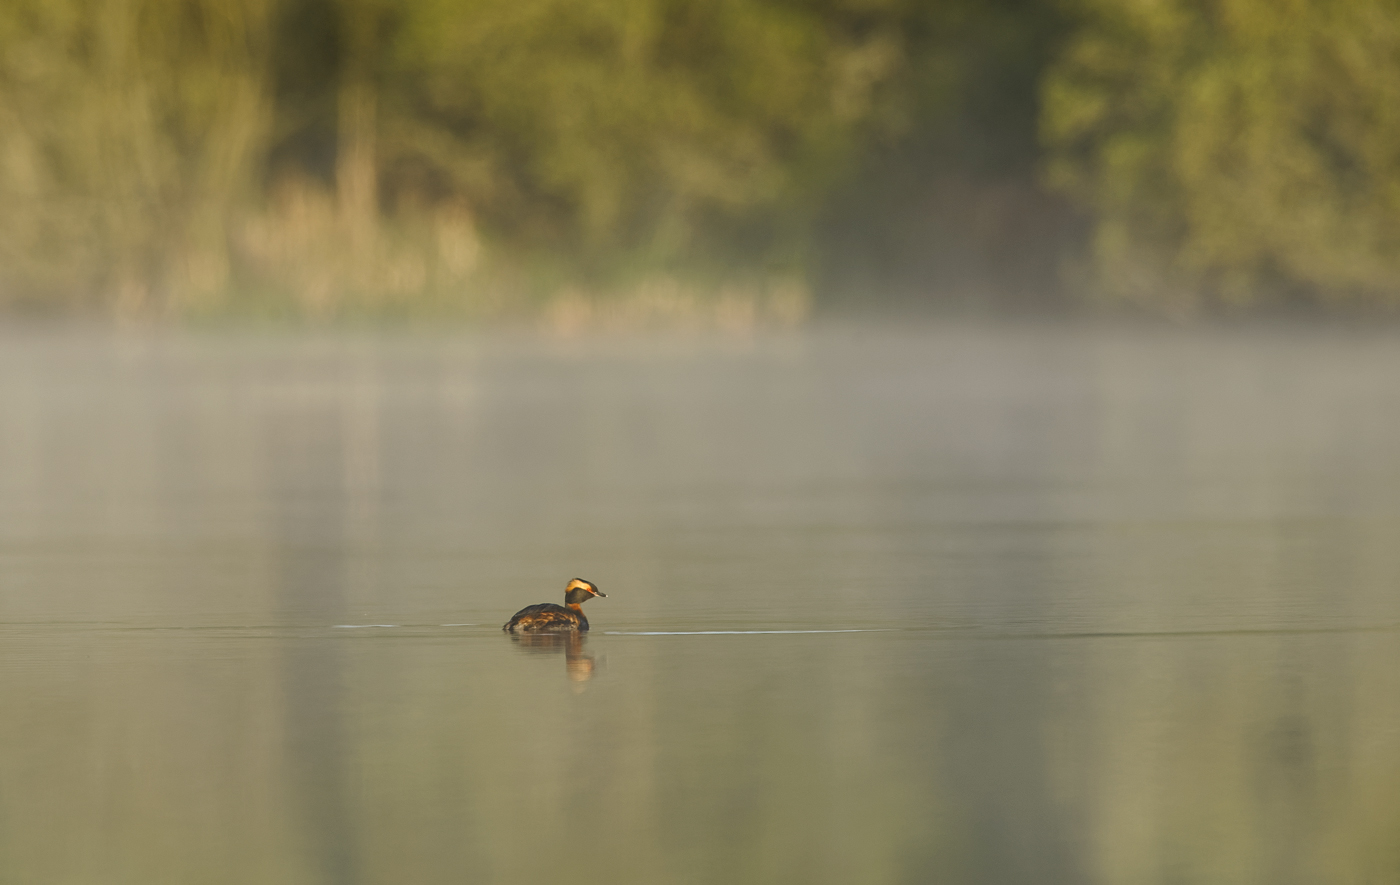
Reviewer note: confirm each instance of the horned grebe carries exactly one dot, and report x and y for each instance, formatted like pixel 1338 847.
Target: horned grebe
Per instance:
pixel 548 617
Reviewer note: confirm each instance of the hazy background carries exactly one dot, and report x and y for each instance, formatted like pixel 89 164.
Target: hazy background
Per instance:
pixel 811 330
pixel 655 162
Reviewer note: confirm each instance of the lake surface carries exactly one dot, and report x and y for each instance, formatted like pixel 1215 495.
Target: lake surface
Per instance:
pixel 956 603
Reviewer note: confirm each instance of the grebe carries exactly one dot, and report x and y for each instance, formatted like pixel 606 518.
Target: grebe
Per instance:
pixel 550 618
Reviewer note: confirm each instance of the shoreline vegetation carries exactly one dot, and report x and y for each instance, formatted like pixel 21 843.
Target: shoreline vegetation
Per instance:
pixel 634 164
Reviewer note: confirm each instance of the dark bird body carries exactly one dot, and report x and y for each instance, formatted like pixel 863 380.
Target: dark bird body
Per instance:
pixel 547 617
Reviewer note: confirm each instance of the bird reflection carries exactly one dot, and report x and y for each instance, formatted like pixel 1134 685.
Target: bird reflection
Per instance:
pixel 577 664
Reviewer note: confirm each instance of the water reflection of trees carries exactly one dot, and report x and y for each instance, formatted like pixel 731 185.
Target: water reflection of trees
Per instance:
pixel 1180 756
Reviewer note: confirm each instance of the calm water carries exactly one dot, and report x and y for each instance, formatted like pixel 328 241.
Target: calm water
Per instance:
pixel 957 604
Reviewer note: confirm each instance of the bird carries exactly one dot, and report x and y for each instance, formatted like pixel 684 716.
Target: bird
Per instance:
pixel 550 618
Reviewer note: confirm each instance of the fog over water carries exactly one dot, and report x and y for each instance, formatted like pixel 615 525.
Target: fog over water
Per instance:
pixel 954 602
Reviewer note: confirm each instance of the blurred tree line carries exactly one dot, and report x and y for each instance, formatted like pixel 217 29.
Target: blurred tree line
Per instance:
pixel 490 157
pixel 1235 150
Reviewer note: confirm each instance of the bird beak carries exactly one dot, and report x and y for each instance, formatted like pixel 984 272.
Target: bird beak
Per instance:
pixel 597 592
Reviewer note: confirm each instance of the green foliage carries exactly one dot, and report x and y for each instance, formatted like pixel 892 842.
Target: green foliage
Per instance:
pixel 127 127
pixel 163 155
pixel 1233 147
pixel 324 157
pixel 657 128
pixel 946 206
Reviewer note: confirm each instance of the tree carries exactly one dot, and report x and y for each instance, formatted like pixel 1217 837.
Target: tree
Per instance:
pixel 656 131
pixel 129 130
pixel 1233 149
